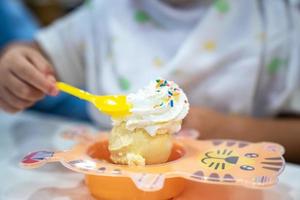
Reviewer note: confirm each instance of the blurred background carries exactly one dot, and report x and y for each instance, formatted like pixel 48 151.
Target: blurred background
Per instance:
pixel 46 11
pixel 21 18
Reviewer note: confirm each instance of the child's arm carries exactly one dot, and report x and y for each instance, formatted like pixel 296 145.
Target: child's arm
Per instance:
pixel 215 125
pixel 25 77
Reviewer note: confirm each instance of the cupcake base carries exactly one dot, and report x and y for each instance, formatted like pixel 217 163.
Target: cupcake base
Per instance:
pixel 138 147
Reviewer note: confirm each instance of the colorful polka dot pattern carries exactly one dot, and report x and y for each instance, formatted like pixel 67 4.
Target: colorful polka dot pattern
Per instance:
pixel 222 6
pixel 124 84
pixel 141 16
pixel 210 45
pixel 158 62
pixel 274 65
pixel 87 3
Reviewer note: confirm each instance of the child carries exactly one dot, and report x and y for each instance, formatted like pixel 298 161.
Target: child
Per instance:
pixel 236 57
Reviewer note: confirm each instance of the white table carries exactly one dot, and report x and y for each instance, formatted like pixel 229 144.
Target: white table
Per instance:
pixel 22 133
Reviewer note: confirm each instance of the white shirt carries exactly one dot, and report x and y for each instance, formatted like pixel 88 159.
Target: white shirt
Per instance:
pixel 236 56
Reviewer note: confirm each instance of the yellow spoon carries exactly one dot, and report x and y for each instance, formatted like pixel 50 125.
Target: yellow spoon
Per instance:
pixel 114 105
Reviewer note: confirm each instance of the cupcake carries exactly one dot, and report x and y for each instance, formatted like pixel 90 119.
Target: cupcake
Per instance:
pixel 145 136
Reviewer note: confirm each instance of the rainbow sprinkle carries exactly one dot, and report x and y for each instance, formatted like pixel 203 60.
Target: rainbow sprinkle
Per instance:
pixel 173 93
pixel 172 103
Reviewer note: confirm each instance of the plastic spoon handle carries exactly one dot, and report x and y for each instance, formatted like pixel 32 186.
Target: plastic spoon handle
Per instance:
pixel 75 91
pixel 115 105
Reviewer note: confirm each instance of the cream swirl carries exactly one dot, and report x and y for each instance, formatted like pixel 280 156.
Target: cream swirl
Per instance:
pixel 159 107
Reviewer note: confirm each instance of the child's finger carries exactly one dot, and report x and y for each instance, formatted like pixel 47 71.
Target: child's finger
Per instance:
pixel 13 101
pixel 54 90
pixel 29 74
pixel 7 108
pixel 40 63
pixel 22 90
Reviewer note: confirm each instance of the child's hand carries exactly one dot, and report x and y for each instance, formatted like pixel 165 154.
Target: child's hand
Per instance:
pixel 25 77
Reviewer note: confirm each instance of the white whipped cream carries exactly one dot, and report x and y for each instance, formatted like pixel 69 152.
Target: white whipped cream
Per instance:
pixel 161 105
